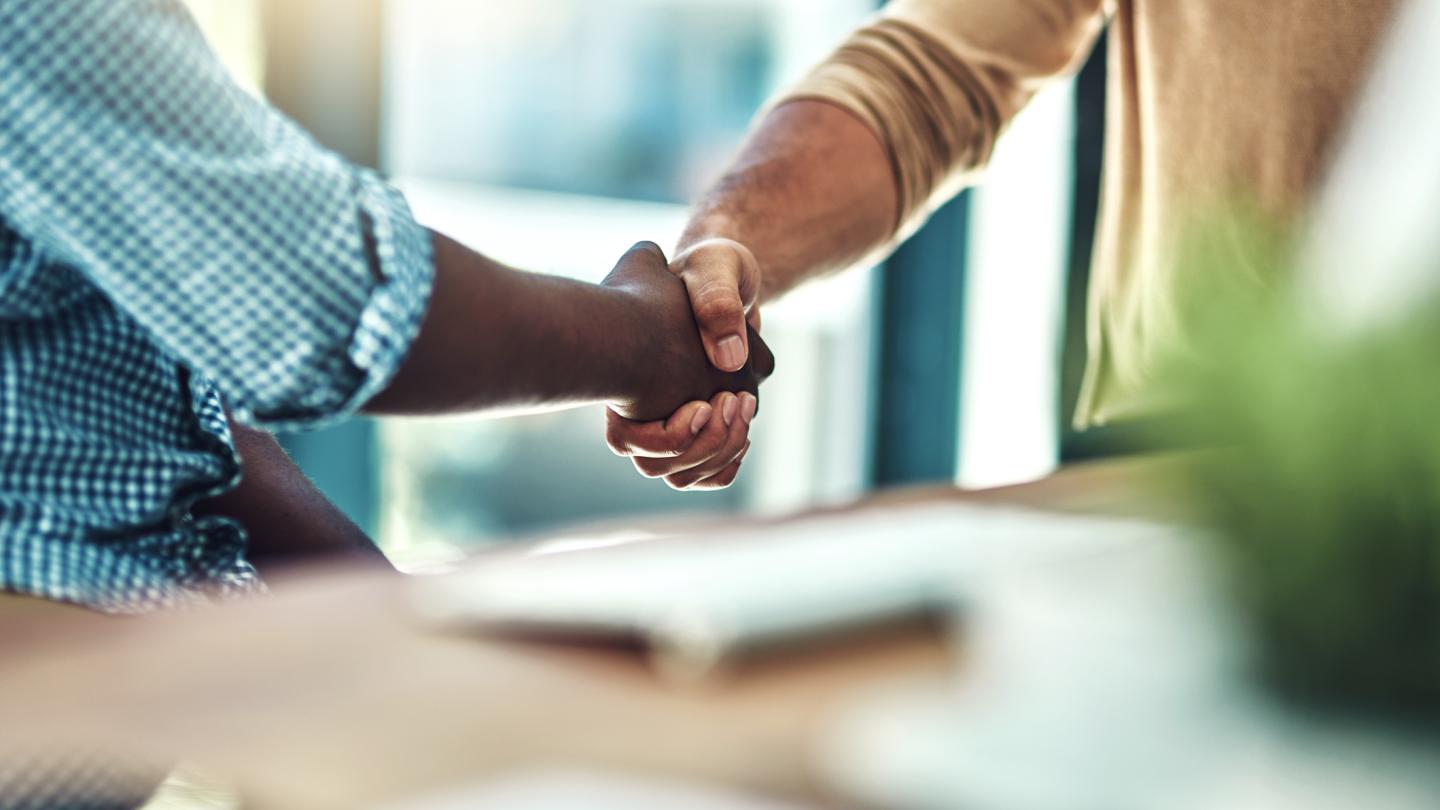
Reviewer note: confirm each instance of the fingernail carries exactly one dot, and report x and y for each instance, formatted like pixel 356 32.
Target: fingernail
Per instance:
pixel 748 405
pixel 728 408
pixel 730 352
pixel 700 419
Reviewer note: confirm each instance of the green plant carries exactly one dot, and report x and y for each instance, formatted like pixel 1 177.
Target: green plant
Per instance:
pixel 1325 498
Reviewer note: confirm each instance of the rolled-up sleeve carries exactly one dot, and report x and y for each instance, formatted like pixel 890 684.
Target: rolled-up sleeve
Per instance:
pixel 938 80
pixel 252 254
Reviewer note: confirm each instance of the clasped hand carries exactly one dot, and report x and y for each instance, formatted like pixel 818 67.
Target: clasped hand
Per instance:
pixel 709 357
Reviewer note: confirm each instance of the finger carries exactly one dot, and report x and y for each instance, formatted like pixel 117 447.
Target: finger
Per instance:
pixel 749 407
pixel 736 437
pixel 710 442
pixel 725 477
pixel 753 318
pixel 666 439
pixel 719 479
pixel 722 279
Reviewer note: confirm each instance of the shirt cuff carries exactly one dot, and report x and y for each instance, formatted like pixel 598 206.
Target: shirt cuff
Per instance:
pixel 404 264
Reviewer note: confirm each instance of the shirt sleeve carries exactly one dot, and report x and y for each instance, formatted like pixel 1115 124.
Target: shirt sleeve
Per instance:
pixel 938 80
pixel 249 252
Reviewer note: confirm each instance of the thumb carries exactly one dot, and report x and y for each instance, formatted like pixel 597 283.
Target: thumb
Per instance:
pixel 722 279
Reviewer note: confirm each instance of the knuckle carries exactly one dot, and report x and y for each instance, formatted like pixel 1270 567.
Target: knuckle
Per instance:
pixel 717 303
pixel 674 445
pixel 710 445
pixel 699 476
pixel 737 436
pixel 701 266
pixel 617 439
pixel 680 482
pixel 651 468
pixel 626 440
pixel 711 252
pixel 650 249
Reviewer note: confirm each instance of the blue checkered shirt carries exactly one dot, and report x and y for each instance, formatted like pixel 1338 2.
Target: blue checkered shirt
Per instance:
pixel 170 248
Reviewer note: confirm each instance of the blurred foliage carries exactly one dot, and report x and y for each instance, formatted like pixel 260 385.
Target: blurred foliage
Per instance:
pixel 1326 498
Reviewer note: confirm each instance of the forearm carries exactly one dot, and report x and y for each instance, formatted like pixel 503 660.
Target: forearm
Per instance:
pixel 811 192
pixel 287 520
pixel 500 338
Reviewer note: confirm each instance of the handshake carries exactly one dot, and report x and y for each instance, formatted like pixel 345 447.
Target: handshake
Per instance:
pixel 688 418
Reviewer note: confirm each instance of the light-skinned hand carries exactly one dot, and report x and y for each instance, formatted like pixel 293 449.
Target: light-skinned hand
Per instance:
pixel 691 449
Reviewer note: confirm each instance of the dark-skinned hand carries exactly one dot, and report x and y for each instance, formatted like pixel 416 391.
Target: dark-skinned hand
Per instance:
pixel 674 368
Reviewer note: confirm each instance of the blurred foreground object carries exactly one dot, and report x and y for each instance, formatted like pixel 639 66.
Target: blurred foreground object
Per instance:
pixel 1329 500
pixel 702 602
pixel 1114 682
pixel 567 789
pixel 44 777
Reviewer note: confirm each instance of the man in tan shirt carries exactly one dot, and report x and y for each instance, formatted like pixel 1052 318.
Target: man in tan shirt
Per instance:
pixel 1211 101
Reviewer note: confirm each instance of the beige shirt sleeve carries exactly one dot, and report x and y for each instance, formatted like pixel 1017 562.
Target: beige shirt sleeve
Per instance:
pixel 938 80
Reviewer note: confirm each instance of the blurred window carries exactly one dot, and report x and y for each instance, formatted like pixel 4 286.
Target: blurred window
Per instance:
pixel 232 27
pixel 1010 421
pixel 621 99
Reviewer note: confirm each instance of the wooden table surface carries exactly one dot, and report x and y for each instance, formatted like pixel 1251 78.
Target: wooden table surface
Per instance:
pixel 328 695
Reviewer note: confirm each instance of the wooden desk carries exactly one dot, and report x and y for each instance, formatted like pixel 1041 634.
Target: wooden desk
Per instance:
pixel 327 696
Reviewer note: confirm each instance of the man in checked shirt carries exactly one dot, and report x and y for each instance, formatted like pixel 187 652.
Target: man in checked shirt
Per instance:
pixel 182 268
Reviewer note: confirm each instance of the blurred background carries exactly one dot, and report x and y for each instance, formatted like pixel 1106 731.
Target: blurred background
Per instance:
pixel 553 135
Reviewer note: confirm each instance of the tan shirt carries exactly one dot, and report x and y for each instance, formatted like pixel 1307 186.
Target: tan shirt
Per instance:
pixel 1210 101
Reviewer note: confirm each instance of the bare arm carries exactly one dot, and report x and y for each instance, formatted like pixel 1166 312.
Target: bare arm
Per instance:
pixel 811 192
pixel 495 337
pixel 287 520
